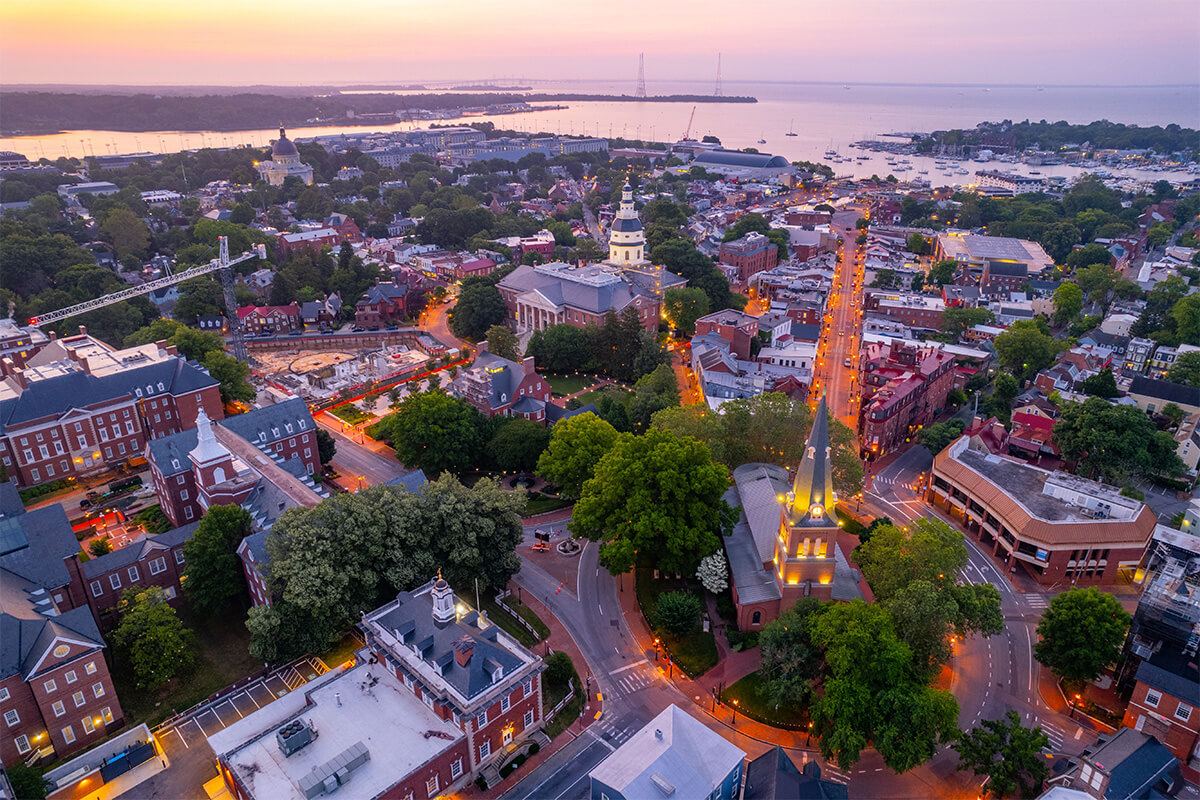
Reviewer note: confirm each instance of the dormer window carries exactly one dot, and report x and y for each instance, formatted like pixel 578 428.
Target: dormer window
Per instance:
pixel 497 674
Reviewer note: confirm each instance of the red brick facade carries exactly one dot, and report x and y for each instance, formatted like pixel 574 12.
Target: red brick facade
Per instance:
pixel 270 319
pixel 1172 721
pixel 751 254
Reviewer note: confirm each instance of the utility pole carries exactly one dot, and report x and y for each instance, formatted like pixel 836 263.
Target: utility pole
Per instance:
pixel 641 80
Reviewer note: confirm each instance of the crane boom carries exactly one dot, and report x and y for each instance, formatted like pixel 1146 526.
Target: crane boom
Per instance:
pixel 689 127
pixel 222 262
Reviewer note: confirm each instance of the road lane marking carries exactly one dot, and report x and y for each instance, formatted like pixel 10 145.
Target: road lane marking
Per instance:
pixel 628 666
pixel 601 741
pixel 1029 641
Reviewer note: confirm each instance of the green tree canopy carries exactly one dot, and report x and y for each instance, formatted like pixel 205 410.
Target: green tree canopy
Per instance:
pixel 937 436
pixel 435 432
pixel 657 496
pixel 517 444
pixel 678 613
pixel 791 661
pixel 576 446
pixel 957 321
pixel 1186 369
pixel 1086 256
pixel 213 571
pixel 560 348
pixel 1025 349
pixel 503 342
pixel 232 375
pixel 1102 384
pixel 1068 302
pixel 683 306
pixel 1081 633
pixel 1113 442
pixel 1008 754
pixel 479 307
pixel 157 644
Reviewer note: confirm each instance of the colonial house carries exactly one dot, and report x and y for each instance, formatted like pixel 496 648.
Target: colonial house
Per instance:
pixel 502 388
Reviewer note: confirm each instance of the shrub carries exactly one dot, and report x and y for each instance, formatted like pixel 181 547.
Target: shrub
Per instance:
pixel 1132 492
pixel 481 784
pixel 678 612
pixel 100 547
pixel 559 668
pixel 534 748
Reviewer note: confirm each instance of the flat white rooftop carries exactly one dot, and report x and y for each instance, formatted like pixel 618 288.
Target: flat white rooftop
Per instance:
pixel 362 704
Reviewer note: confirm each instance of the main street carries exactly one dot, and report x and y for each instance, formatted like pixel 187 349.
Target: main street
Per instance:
pixel 838 350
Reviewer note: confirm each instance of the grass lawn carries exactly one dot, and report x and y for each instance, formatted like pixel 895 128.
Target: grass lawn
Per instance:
pixel 541 504
pixel 526 613
pixel 695 653
pixel 753 705
pixel 849 523
pixel 563 385
pixel 222 657
pixel 552 694
pixel 350 413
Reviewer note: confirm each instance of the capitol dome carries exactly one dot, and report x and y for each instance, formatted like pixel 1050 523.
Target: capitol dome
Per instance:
pixel 283 146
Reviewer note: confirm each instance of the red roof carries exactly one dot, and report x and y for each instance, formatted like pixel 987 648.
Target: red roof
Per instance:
pixel 289 311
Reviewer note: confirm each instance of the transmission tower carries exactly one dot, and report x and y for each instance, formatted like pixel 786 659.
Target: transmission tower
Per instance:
pixel 641 84
pixel 719 91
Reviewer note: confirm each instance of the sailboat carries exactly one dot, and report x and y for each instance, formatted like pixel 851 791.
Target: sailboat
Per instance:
pixel 761 140
pixel 791 129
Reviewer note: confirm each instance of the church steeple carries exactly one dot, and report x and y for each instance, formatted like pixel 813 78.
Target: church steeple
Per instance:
pixel 627 240
pixel 812 492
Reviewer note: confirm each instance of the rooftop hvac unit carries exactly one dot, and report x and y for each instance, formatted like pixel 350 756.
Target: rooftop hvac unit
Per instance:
pixel 293 736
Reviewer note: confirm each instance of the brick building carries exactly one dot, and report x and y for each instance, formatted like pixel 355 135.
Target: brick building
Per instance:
pixel 317 241
pixel 904 386
pixel 502 388
pixel 271 319
pixel 735 327
pixel 18 345
pixel 383 304
pixel 346 227
pixel 1166 702
pixel 191 471
pixel 551 294
pixel 80 407
pixel 914 310
pixel 1058 527
pixel 56 696
pixel 751 254
pixel 151 560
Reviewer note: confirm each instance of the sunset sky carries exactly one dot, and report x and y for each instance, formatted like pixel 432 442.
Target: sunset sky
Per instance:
pixel 306 41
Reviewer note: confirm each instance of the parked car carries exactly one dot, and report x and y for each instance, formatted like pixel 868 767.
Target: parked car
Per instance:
pixel 327 332
pixel 358 329
pixel 295 333
pixel 85 504
pixel 393 327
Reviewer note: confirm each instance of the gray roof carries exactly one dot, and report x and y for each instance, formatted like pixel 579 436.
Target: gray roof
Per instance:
pixel 614 296
pixel 626 225
pixel 259 426
pixel 410 482
pixel 1005 268
pixel 556 413
pixel 137 550
pixel 412 615
pixel 10 499
pixel 735 158
pixel 1135 762
pixel 528 405
pixel 1172 674
pixel 33 545
pixel 773 776
pixel 752 542
pixel 384 293
pixel 503 377
pixel 27 629
pixel 55 396
pixel 256 543
pixel 1176 393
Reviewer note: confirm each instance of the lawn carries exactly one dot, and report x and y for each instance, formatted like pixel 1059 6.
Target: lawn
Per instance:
pixel 222 657
pixel 563 385
pixel 751 703
pixel 538 503
pixel 849 523
pixel 551 695
pixel 695 653
pixel 351 414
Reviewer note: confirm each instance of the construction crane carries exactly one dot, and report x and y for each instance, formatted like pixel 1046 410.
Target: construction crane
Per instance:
pixel 688 130
pixel 221 264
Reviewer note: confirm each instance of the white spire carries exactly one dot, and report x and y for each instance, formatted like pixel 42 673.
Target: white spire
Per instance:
pixel 207 449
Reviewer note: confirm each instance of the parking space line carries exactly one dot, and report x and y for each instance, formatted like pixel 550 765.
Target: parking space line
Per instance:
pixel 233 702
pixel 180 735
pixel 252 700
pixel 217 714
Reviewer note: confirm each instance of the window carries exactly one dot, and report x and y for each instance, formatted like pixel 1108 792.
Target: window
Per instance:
pixel 106 715
pixel 11 718
pixel 3 694
pixel 98 689
pixel 114 580
pixel 1183 712
pixel 77 698
pixel 183 494
pixel 134 575
pixel 128 428
pixel 90 669
pixel 505 704
pixel 408 681
pixel 88 725
pixel 528 719
pixel 431 786
pixel 97 589
pixel 33 473
pixel 178 556
pixel 527 688
pixel 59 708
pixel 22 744
pixel 169 592
pixel 485 750
pixel 1152 698
pixel 187 512
pixel 455 768
pixel 158 565
pixel 71 676
pixel 481 721
pixel 756 618
pixel 68 734
pixel 179 480
pixel 50 686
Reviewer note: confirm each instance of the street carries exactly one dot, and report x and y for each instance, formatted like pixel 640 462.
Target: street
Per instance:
pixel 359 457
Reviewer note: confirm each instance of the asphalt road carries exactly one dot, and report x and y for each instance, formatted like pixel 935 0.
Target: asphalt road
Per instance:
pixel 353 458
pixel 842 327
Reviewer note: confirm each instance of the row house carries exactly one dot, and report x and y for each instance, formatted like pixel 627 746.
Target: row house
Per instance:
pixel 56 694
pixel 751 254
pixel 499 387
pixel 258 320
pixel 1073 368
pixel 316 241
pixel 904 387
pixel 94 412
pixel 151 560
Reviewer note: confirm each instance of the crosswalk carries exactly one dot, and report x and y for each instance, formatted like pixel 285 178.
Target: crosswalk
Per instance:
pixel 632 681
pixel 1036 600
pixel 608 733
pixel 1056 736
pixel 828 771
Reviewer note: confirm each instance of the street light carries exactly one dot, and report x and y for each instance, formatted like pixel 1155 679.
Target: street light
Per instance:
pixel 656 648
pixel 808 735
pixel 1072 705
pixel 735 708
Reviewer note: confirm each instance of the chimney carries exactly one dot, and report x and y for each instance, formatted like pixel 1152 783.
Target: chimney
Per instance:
pixel 53 336
pixel 83 330
pixel 481 347
pixel 527 365
pixel 658 733
pixel 463 649
pixel 18 377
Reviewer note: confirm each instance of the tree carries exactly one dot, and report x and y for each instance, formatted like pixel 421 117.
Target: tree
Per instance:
pixel 1113 441
pixel 713 573
pixel 435 432
pixel 942 273
pixel 479 307
pixel 1068 302
pixel 559 669
pixel 1025 349
pixel 559 348
pixel 1102 384
pixel 517 444
pixel 682 307
pixel 656 495
pixel 326 446
pixel 791 661
pixel 200 297
pixel 213 570
pixel 1058 239
pixel 1174 414
pixel 1088 255
pixel 503 342
pixel 1186 316
pixel 678 613
pixel 313 204
pixel 99 547
pixel 28 783
pixel 576 446
pixel 1096 281
pixel 159 647
pixel 1186 370
pixel 128 234
pixel 924 617
pixel 917 244
pixel 936 437
pixel 1081 633
pixel 957 321
pixel 1008 754
pixel 232 375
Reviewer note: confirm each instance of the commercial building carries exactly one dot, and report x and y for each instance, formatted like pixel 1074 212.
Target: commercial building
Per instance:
pixel 12 161
pixel 1060 528
pixel 1008 182
pixel 904 386
pixel 502 388
pixel 675 755
pixel 317 240
pixel 466 670
pixel 100 188
pixel 751 254
pixel 919 311
pixel 744 166
pixel 285 163
pixel 977 252
pixel 56 695
pixel 79 406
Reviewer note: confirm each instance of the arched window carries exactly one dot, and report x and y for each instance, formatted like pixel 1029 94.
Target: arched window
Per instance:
pixel 218 475
pixel 626 255
pixel 756 618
